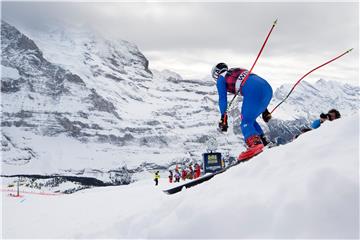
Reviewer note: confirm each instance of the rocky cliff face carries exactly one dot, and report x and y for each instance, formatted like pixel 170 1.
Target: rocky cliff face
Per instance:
pixel 44 98
pixel 77 105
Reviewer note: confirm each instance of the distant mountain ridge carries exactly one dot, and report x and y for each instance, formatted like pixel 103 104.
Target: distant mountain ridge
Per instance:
pixel 316 98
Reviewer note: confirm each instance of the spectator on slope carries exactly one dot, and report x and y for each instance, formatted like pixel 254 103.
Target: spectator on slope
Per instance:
pixel 177 175
pixel 331 115
pixel 156 178
pixel 256 93
pixel 183 174
pixel 171 176
pixel 197 170
pixel 191 172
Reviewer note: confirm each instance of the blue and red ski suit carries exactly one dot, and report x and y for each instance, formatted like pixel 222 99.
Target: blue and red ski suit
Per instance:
pixel 256 93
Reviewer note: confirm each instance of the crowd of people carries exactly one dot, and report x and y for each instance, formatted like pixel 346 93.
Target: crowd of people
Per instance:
pixel 185 172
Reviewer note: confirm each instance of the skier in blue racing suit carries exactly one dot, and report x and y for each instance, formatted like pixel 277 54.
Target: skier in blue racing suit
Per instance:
pixel 256 93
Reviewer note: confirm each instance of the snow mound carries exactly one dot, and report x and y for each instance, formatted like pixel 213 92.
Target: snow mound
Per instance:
pixel 306 189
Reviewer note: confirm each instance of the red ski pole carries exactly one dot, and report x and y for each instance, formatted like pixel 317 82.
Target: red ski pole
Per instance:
pixel 292 89
pixel 252 67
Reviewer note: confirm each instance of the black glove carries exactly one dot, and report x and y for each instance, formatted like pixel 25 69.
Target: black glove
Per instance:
pixel 324 116
pixel 266 115
pixel 223 124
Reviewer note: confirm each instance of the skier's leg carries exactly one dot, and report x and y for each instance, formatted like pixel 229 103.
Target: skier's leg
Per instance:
pixel 258 128
pixel 248 117
pixel 257 95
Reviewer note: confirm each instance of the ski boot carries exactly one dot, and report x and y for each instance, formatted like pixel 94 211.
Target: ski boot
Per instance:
pixel 255 146
pixel 264 139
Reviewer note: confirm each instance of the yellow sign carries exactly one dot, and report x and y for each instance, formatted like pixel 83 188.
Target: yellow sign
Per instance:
pixel 212 159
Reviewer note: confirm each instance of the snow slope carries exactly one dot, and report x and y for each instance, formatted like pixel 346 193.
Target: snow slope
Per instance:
pixel 306 189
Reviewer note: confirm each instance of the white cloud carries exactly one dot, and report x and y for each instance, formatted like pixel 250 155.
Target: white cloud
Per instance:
pixel 190 37
pixel 276 69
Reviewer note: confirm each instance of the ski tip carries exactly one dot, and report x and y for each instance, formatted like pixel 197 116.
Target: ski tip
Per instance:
pixel 350 50
pixel 275 22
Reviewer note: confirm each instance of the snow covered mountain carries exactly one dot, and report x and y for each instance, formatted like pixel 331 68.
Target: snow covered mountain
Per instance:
pixel 95 109
pixel 76 104
pixel 309 100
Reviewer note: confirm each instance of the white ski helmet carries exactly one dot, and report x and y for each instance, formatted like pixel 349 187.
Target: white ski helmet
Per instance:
pixel 218 69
